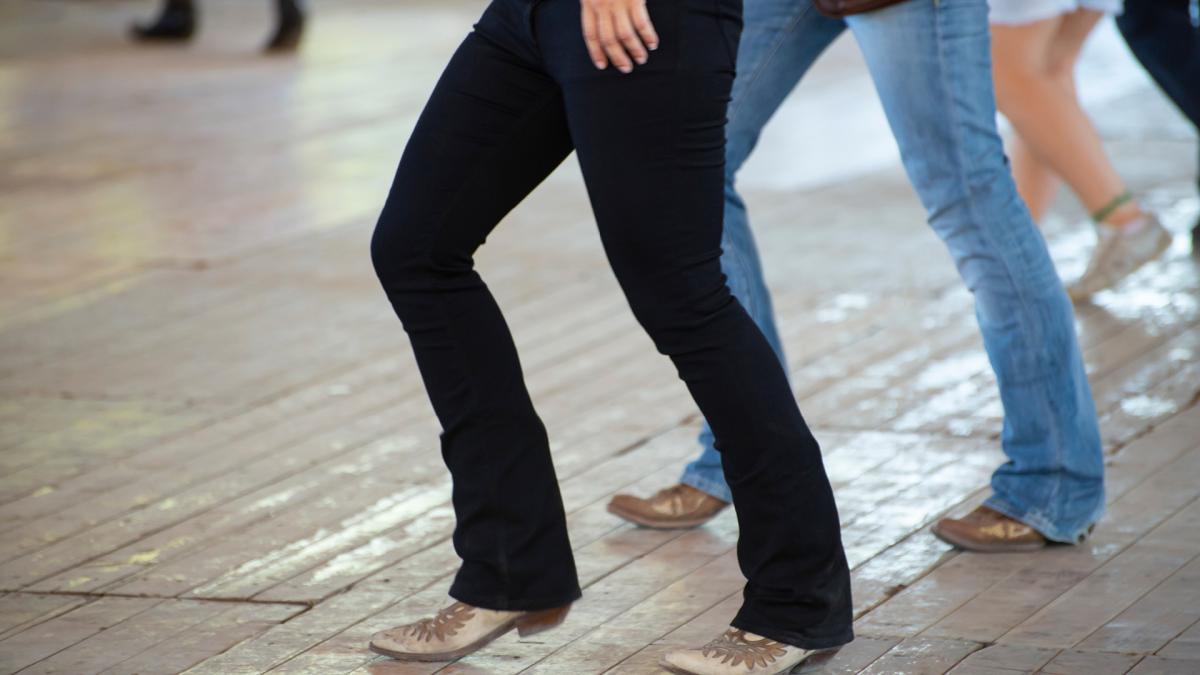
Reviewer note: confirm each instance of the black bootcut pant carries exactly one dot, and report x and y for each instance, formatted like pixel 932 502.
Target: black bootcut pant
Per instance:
pixel 517 97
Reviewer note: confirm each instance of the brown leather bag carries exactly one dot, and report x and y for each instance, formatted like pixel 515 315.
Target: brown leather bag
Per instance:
pixel 838 8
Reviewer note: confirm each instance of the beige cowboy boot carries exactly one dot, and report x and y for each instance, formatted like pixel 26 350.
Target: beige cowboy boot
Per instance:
pixel 459 630
pixel 735 653
pixel 680 506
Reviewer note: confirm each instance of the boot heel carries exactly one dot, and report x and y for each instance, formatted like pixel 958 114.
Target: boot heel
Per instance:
pixel 536 622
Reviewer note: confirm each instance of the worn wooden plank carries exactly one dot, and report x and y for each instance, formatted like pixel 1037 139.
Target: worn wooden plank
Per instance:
pixel 371 427
pixel 1072 662
pixel 1158 665
pixel 219 632
pixel 27 647
pixel 1122 580
pixel 19 611
pixel 1155 619
pixel 1004 659
pixel 1186 645
pixel 130 637
pixel 922 656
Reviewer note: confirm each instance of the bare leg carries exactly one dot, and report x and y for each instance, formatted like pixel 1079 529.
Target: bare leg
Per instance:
pixel 1033 66
pixel 1036 182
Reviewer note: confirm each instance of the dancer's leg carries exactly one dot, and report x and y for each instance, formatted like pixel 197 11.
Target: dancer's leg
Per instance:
pixel 492 130
pixel 1035 88
pixel 1036 181
pixel 651 145
pixel 930 64
pixel 1031 63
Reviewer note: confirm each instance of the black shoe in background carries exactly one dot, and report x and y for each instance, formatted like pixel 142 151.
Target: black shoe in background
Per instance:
pixel 290 28
pixel 176 23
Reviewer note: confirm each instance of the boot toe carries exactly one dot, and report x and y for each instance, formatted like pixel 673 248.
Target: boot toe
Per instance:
pixel 686 662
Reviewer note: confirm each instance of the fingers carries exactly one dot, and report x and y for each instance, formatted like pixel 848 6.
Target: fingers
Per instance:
pixel 591 37
pixel 629 38
pixel 643 25
pixel 612 46
pixel 618 32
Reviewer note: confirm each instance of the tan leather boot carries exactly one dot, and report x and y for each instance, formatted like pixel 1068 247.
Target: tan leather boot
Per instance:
pixel 459 630
pixel 735 653
pixel 680 506
pixel 987 531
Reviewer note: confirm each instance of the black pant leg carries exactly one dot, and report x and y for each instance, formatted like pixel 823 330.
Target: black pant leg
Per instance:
pixel 1162 37
pixel 651 145
pixel 493 129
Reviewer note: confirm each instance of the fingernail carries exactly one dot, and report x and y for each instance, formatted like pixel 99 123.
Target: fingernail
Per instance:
pixel 626 69
pixel 653 46
pixel 641 60
pixel 599 65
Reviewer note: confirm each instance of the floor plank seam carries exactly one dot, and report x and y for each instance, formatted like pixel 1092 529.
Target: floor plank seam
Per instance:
pixel 97 595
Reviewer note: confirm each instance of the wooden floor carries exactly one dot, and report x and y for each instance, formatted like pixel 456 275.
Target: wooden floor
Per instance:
pixel 216 455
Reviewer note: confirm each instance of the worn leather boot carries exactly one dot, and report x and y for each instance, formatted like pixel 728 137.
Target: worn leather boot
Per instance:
pixel 985 530
pixel 680 506
pixel 459 630
pixel 735 653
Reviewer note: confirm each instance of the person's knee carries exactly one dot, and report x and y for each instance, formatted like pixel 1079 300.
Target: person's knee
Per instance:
pixel 387 253
pixel 401 261
pixel 679 312
pixel 1021 72
pixel 1015 82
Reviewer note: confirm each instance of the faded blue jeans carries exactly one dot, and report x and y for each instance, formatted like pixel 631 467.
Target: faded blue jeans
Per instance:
pixel 930 60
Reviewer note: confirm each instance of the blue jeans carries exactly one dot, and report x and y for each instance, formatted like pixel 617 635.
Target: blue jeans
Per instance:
pixel 930 61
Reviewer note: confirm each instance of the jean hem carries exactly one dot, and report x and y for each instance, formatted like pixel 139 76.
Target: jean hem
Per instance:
pixel 506 604
pixel 793 638
pixel 1045 526
pixel 708 486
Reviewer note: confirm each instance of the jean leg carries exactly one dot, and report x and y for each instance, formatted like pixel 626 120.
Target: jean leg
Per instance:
pixel 780 41
pixel 654 180
pixel 931 65
pixel 492 130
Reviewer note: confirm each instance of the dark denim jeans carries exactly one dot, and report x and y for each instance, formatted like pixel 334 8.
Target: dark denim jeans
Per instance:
pixel 518 96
